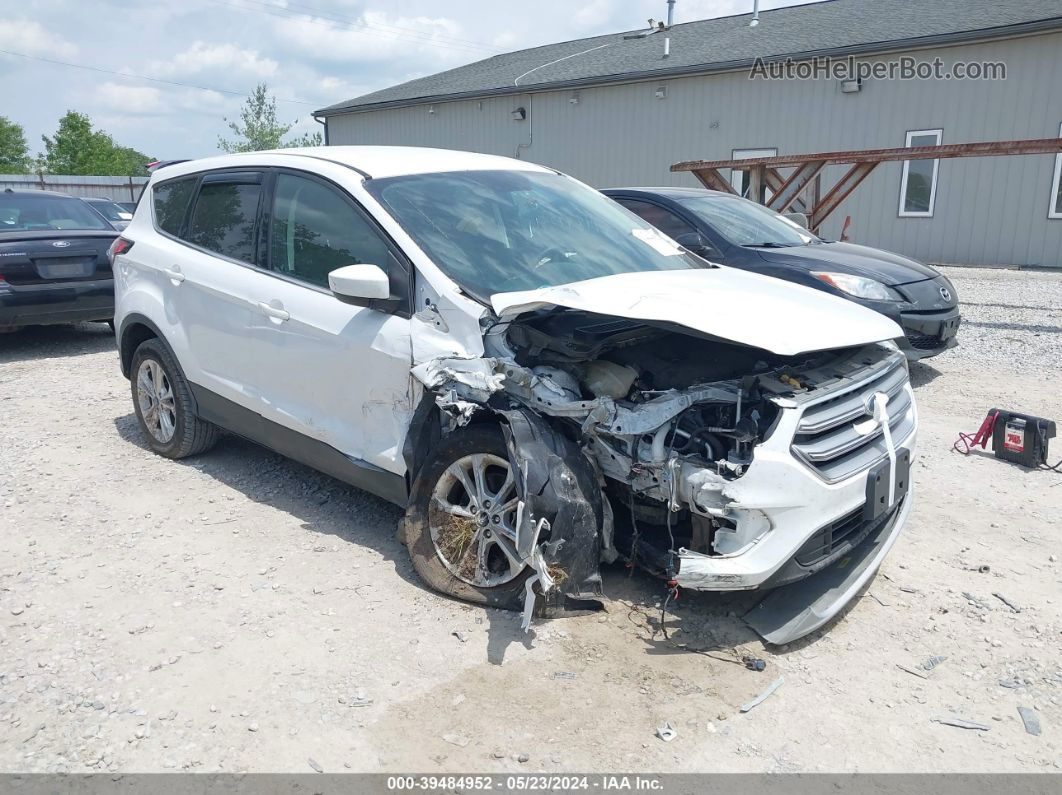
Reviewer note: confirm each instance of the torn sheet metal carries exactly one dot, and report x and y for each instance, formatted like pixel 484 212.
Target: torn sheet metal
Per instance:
pixel 473 378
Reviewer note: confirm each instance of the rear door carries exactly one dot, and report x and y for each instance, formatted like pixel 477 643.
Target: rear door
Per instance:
pixel 210 282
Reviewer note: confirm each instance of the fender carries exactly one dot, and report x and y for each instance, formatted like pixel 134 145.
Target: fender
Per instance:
pixel 126 346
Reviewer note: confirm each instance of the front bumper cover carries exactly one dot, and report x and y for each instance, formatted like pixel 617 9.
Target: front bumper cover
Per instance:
pixel 793 611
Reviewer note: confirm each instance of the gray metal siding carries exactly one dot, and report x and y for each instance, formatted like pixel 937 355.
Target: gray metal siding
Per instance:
pixel 119 189
pixel 987 210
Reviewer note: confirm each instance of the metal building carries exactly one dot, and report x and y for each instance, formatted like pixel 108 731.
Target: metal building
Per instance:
pixel 615 110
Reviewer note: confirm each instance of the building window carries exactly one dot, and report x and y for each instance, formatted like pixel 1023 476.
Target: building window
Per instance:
pixel 1055 211
pixel 740 179
pixel 918 188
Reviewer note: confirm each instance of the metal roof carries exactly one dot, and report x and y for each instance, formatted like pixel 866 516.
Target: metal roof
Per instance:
pixel 835 27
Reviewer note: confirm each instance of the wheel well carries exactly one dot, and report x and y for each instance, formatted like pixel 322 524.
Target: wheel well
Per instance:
pixel 132 337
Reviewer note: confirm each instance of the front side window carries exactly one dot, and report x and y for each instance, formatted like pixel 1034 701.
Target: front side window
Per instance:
pixel 224 218
pixel 24 212
pixel 315 230
pixel 171 202
pixel 918 187
pixel 1055 210
pixel 664 220
pixel 745 223
pixel 503 231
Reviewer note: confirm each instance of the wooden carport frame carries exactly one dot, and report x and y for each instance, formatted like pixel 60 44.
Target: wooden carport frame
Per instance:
pixel 764 171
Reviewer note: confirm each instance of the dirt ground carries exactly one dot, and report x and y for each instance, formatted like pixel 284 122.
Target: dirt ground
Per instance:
pixel 238 611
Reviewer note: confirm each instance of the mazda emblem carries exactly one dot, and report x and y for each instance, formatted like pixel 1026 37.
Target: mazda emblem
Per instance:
pixel 61 243
pixel 945 293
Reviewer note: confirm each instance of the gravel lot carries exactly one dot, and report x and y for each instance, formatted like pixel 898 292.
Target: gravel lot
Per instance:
pixel 241 612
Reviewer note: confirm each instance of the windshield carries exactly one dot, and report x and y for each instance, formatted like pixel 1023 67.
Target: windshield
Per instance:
pixel 745 223
pixel 21 212
pixel 502 231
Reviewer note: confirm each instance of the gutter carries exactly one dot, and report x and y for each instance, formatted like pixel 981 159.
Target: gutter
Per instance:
pixel 872 48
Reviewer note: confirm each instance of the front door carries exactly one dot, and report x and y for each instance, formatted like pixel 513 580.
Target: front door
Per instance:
pixel 334 372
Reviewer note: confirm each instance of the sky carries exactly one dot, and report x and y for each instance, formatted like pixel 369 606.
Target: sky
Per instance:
pixel 205 56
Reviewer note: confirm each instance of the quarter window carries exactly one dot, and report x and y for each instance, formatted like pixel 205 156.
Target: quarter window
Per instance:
pixel 315 230
pixel 1055 211
pixel 171 202
pixel 224 218
pixel 918 187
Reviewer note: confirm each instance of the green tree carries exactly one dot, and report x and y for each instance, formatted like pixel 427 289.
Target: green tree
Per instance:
pixel 14 152
pixel 77 148
pixel 259 127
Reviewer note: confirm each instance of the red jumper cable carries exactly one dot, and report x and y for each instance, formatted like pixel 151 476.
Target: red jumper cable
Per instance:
pixel 965 443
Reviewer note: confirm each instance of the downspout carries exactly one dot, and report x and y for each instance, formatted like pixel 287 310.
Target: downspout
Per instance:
pixel 530 126
pixel 324 124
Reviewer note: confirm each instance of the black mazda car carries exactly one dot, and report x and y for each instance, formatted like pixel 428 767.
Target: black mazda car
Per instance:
pixel 734 231
pixel 53 260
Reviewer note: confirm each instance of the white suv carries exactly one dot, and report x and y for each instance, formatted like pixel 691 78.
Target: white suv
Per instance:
pixel 540 379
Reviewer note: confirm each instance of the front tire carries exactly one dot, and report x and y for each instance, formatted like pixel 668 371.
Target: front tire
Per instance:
pixel 163 403
pixel 460 526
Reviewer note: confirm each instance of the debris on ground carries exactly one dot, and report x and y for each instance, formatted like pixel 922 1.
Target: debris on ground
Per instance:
pixel 315 765
pixel 961 723
pixel 564 675
pixel 456 739
pixel 754 663
pixel 932 663
pixel 777 683
pixel 1006 601
pixel 461 636
pixel 1031 721
pixel 666 732
pixel 919 674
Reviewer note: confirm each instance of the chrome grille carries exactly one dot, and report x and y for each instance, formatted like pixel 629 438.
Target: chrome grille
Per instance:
pixel 827 439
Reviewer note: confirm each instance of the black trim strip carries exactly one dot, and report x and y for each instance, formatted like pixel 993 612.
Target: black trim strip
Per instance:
pixel 221 411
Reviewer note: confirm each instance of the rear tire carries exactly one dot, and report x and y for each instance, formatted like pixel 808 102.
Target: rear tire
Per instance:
pixel 467 551
pixel 164 406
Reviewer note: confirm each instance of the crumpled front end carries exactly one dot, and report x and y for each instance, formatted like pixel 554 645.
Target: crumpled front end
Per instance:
pixel 713 465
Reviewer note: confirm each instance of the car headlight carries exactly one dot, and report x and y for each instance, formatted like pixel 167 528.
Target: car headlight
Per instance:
pixel 859 286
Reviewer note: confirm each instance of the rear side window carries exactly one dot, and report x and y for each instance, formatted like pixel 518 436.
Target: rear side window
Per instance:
pixel 224 217
pixel 171 202
pixel 315 230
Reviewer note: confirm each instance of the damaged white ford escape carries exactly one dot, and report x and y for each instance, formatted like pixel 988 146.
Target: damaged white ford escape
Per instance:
pixel 543 382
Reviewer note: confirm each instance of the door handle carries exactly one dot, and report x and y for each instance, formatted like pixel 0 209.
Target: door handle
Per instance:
pixel 273 312
pixel 174 274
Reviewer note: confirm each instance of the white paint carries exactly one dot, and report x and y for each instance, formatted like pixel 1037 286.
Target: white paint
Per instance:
pixel 731 304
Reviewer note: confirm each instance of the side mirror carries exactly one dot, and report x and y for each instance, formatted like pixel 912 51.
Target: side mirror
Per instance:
pixel 358 284
pixel 797 218
pixel 695 242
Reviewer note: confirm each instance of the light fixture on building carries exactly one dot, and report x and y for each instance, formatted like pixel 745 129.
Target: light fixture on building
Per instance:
pixel 518 115
pixel 661 92
pixel 852 86
pixel 574 98
pixel 431 110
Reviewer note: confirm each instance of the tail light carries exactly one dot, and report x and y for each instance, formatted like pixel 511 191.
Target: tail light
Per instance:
pixel 120 245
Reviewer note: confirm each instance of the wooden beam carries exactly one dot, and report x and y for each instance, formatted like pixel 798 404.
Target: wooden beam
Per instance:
pixel 1036 146
pixel 789 191
pixel 713 180
pixel 838 193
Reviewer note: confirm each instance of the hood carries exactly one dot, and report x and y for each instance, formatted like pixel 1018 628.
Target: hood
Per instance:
pixel 883 266
pixel 725 303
